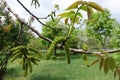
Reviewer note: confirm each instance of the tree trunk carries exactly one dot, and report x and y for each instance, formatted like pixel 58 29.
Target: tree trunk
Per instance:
pixel 55 51
pixel 2 73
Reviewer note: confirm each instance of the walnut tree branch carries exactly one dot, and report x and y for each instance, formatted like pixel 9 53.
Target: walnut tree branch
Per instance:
pixel 34 15
pixel 25 23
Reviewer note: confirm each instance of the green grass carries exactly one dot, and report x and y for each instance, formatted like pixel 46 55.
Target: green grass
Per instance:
pixel 59 70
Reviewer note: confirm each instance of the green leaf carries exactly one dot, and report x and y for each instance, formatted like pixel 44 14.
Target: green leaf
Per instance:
pixel 14 57
pixel 56 6
pixel 83 7
pixel 17 49
pixel 79 14
pixel 106 64
pixel 89 12
pixel 95 6
pixel 101 63
pixel 75 5
pixel 85 60
pixel 67 14
pixel 30 66
pixel 34 60
pixel 16 52
pixel 26 68
pixel 33 50
pixel 112 63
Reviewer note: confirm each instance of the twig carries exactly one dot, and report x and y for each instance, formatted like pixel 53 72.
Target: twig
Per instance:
pixel 34 15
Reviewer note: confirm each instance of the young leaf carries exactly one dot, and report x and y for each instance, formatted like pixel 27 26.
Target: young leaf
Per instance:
pixel 34 60
pixel 16 52
pixel 14 57
pixel 30 66
pixel 112 63
pixel 79 14
pixel 106 64
pixel 83 7
pixel 67 14
pixel 95 6
pixel 85 60
pixel 101 63
pixel 33 50
pixel 57 7
pixel 75 5
pixel 26 68
pixel 89 12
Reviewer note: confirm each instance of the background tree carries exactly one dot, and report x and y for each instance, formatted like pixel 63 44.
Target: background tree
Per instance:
pixel 60 30
pixel 100 27
pixel 115 41
pixel 12 33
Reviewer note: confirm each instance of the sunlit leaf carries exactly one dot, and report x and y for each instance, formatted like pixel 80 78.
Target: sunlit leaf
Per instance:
pixel 95 6
pixel 83 7
pixel 67 14
pixel 75 5
pixel 89 12
pixel 79 14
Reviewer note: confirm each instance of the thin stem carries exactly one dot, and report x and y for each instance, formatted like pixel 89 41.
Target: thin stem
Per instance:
pixel 34 15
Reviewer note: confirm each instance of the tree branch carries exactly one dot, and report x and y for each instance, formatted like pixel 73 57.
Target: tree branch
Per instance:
pixel 88 52
pixel 25 23
pixel 38 19
pixel 33 15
